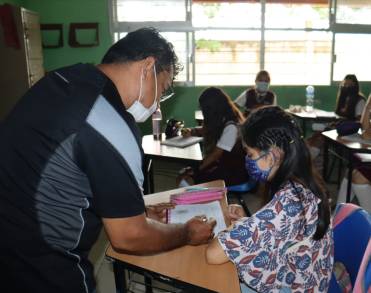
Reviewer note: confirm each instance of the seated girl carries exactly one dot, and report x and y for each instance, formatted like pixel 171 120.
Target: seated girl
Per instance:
pixel 257 96
pixel 223 152
pixel 287 245
pixel 349 106
pixel 350 102
pixel 361 177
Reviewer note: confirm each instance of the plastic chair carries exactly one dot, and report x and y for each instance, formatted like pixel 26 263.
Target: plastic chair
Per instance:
pixel 239 190
pixel 352 246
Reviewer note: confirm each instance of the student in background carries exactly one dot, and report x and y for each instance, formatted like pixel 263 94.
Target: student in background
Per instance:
pixel 223 152
pixel 287 245
pixel 361 177
pixel 350 101
pixel 257 96
pixel 349 106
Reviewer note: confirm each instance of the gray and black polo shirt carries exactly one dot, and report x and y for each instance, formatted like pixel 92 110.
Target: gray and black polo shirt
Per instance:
pixel 70 154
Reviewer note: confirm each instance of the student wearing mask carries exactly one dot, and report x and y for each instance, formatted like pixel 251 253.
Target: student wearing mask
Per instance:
pixel 71 161
pixel 223 152
pixel 349 106
pixel 350 101
pixel 287 245
pixel 361 177
pixel 257 96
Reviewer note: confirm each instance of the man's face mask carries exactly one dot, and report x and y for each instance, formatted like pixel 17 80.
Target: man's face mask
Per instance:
pixel 262 86
pixel 137 109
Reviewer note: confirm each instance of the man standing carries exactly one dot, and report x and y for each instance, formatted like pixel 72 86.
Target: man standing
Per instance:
pixel 71 159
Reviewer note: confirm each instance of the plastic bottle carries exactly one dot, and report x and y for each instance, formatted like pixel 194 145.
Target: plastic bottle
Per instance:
pixel 309 95
pixel 156 124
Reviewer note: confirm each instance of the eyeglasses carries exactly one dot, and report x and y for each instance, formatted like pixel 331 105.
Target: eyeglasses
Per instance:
pixel 167 94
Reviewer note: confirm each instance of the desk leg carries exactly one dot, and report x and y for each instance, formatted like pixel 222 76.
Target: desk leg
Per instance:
pixel 120 278
pixel 148 178
pixel 325 160
pixel 148 284
pixel 350 171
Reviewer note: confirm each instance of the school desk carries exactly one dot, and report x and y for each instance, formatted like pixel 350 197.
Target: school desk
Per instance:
pixel 184 268
pixel 317 115
pixel 154 150
pixel 353 153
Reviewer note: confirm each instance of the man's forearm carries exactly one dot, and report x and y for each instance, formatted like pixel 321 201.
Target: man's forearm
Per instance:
pixel 155 237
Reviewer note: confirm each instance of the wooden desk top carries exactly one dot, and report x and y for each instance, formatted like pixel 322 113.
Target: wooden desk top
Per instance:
pixel 154 149
pixel 353 146
pixel 187 263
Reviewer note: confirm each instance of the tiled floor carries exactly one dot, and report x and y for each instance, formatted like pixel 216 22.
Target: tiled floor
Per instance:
pixel 165 175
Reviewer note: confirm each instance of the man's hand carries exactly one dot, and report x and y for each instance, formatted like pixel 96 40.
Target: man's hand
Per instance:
pixel 235 212
pixel 158 212
pixel 200 230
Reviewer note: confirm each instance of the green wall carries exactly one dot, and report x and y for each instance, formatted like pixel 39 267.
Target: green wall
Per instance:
pixel 14 2
pixel 185 101
pixel 68 11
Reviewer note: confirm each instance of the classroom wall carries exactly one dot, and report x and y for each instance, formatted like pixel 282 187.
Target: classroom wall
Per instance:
pixel 68 11
pixel 13 2
pixel 185 101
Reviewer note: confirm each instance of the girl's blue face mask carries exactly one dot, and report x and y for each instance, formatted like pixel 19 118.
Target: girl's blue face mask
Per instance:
pixel 255 172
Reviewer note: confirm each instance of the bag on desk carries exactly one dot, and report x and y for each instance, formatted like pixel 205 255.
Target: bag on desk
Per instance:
pixel 347 127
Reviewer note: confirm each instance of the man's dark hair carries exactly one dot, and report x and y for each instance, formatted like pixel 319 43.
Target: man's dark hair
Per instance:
pixel 143 43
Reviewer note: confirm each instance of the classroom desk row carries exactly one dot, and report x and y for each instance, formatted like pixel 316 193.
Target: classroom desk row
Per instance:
pixel 184 268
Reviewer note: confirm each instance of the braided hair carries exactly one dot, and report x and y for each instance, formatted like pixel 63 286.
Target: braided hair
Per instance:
pixel 272 126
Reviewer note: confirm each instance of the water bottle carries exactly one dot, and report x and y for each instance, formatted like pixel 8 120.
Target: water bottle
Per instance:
pixel 156 124
pixel 309 94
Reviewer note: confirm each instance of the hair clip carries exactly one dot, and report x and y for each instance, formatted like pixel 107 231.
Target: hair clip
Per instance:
pixel 291 141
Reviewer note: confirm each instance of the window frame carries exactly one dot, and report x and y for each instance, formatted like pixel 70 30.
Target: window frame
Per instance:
pixel 187 27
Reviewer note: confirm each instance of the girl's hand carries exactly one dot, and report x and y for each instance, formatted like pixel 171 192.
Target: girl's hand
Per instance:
pixel 235 212
pixel 186 132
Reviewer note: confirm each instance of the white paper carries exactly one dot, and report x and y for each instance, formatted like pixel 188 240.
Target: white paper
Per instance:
pixel 182 213
pixel 356 137
pixel 182 142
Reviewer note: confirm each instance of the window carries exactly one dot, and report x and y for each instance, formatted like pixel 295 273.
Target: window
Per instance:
pixel 352 58
pixel 297 57
pixel 228 42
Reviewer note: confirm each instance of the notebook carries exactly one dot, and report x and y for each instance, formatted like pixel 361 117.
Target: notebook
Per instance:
pixel 183 213
pixel 182 142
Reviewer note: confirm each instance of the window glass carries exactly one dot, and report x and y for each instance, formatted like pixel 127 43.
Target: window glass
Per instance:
pixel 227 57
pixel 297 57
pixel 351 58
pixel 287 15
pixel 353 11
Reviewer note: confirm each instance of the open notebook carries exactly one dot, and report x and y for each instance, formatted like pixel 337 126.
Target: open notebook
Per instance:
pixel 181 142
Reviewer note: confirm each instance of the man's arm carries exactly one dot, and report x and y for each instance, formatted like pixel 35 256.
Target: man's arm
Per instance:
pixel 142 236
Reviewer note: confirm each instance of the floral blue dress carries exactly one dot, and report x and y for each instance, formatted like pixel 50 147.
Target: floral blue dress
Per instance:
pixel 274 249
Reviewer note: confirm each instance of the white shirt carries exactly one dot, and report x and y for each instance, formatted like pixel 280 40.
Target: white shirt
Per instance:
pixel 228 138
pixel 241 99
pixel 359 107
